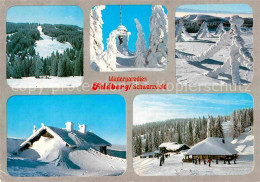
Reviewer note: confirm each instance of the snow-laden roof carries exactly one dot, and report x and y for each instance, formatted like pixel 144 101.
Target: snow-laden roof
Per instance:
pixel 73 139
pixel 173 146
pixel 212 146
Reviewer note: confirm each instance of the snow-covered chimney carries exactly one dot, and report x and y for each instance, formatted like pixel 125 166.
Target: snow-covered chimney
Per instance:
pixel 69 126
pixel 34 129
pixel 82 128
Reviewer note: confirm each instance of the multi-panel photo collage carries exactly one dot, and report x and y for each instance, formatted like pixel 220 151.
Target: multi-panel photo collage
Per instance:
pixel 129 91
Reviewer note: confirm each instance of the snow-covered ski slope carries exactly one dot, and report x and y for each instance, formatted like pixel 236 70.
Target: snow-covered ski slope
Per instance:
pixel 50 157
pixel 47 45
pixel 175 167
pixel 193 73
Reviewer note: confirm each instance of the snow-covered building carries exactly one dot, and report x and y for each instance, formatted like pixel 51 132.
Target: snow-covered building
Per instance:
pixel 68 137
pixel 172 147
pixel 213 147
pixel 122 37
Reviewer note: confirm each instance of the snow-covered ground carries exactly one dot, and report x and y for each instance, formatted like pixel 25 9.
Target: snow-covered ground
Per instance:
pixel 127 63
pixel 192 73
pixel 175 167
pixel 47 45
pixel 51 82
pixel 49 157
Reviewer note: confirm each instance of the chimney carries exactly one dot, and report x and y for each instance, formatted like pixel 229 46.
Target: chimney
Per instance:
pixel 34 129
pixel 82 128
pixel 69 126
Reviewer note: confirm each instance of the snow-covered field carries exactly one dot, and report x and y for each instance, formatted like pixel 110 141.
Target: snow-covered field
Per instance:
pixel 47 45
pixel 48 157
pixel 174 166
pixel 51 82
pixel 192 73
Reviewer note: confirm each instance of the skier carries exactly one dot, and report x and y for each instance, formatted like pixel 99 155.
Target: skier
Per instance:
pixel 199 160
pixel 160 161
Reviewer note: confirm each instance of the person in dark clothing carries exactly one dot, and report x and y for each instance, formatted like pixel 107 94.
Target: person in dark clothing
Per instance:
pixel 163 159
pixel 205 162
pixel 199 160
pixel 235 160
pixel 160 161
pixel 209 161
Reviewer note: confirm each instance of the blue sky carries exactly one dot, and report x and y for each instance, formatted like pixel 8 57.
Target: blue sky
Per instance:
pixel 69 15
pixel 149 108
pixel 216 8
pixel 111 19
pixel 103 114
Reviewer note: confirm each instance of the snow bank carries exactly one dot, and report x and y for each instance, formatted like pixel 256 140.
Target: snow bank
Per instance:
pixel 51 82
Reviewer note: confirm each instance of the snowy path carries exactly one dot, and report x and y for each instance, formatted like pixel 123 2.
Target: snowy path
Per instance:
pixel 188 73
pixel 53 82
pixel 48 45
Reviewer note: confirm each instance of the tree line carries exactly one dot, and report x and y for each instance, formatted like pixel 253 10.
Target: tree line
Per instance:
pixel 148 137
pixel 23 61
pixel 194 26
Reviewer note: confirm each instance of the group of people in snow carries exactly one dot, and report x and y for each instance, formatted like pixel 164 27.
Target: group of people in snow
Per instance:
pixel 197 160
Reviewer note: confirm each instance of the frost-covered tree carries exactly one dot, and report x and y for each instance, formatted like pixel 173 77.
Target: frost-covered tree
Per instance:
pixel 107 60
pixel 204 31
pixel 96 41
pixel 196 131
pixel 158 39
pixel 218 128
pixel 210 126
pixel 220 29
pixel 180 32
pixel 141 52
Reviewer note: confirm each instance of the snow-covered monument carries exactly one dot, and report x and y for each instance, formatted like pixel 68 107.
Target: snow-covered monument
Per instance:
pixel 65 138
pixel 122 37
pixel 213 148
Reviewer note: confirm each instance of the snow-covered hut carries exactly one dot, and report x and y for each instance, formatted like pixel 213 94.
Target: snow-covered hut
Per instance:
pixel 172 147
pixel 65 136
pixel 214 148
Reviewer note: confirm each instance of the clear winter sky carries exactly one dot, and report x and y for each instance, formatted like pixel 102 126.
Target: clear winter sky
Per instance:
pixel 111 18
pixel 222 10
pixel 160 107
pixel 103 114
pixel 69 15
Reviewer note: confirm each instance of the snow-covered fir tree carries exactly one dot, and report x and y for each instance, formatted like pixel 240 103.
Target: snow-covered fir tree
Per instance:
pixel 218 128
pixel 204 31
pixel 96 40
pixel 141 51
pixel 158 39
pixel 220 29
pixel 39 67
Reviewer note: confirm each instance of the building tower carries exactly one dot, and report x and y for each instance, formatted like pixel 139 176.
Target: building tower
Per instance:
pixel 122 37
